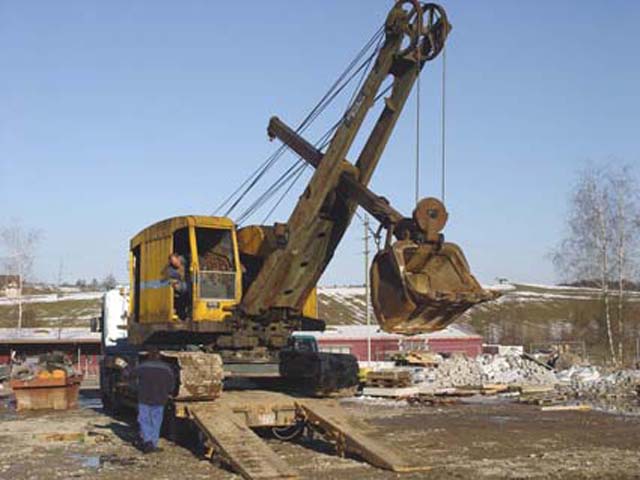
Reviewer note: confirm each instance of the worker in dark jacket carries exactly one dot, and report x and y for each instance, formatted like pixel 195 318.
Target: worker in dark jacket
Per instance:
pixel 156 383
pixel 175 273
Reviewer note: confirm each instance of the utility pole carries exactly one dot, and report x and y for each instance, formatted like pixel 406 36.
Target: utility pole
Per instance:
pixel 366 284
pixel 20 301
pixel 60 270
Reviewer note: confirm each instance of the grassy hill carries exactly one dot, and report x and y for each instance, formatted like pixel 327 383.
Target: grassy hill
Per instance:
pixel 71 309
pixel 526 315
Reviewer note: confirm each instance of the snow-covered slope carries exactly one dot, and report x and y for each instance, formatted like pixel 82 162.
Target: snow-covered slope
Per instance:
pixel 525 313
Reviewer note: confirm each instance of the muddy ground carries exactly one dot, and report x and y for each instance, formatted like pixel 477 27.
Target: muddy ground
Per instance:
pixel 484 440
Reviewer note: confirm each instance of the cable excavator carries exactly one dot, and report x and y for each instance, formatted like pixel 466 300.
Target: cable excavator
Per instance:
pixel 250 287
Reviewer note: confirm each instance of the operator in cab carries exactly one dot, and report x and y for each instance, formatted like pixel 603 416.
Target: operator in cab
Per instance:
pixel 175 274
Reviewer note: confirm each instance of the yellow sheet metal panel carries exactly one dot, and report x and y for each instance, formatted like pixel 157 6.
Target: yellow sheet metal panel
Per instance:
pixel 166 227
pixel 310 307
pixel 132 291
pixel 250 239
pixel 156 295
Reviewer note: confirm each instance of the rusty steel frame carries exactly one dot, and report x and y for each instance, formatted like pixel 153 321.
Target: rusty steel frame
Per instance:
pixel 322 215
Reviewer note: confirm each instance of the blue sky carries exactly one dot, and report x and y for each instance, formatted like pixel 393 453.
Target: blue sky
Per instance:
pixel 114 115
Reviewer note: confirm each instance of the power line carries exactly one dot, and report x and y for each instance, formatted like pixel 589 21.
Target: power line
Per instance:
pixel 418 125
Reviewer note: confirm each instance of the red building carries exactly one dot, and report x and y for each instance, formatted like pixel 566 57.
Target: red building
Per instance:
pixel 354 339
pixel 80 344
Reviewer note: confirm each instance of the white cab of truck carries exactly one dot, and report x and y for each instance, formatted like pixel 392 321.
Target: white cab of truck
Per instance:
pixel 115 306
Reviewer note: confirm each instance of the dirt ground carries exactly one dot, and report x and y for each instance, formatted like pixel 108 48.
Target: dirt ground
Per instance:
pixel 484 440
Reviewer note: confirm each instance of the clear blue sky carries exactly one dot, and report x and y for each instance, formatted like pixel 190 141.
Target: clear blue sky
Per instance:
pixel 114 115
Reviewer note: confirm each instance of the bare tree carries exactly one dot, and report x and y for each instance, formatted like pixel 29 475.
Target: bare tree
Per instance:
pixel 20 245
pixel 109 282
pixel 625 233
pixel 584 253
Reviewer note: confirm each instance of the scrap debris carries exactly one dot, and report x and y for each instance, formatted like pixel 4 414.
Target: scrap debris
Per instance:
pixel 47 382
pixel 447 381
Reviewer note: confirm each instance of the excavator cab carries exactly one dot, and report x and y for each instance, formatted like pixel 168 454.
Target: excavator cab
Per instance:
pixel 420 283
pixel 212 271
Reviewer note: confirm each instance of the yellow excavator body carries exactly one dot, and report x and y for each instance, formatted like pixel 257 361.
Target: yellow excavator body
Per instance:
pixel 248 288
pixel 213 252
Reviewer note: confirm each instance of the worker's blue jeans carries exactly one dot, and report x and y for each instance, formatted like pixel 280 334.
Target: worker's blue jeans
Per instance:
pixel 150 421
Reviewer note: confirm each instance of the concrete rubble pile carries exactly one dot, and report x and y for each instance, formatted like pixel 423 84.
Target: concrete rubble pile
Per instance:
pixel 456 371
pixel 460 371
pixel 592 382
pixel 514 369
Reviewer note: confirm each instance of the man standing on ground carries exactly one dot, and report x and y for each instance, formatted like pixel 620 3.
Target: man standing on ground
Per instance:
pixel 155 384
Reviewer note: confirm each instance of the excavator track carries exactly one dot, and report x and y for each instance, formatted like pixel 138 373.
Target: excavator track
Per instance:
pixel 200 374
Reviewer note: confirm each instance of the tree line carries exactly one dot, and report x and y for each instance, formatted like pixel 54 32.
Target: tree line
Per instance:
pixel 106 283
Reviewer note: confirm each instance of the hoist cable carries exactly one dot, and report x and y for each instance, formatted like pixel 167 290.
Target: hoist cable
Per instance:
pixel 325 140
pixel 363 69
pixel 270 162
pixel 329 96
pixel 273 188
pixel 247 180
pixel 320 144
pixel 282 197
pixel 310 118
pixel 417 125
pixel 443 119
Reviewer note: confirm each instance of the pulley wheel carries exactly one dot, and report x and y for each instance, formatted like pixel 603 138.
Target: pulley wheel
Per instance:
pixel 430 215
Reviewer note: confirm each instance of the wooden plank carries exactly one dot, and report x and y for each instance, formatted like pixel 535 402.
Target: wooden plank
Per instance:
pixel 390 392
pixel 567 408
pixel 246 453
pixel 533 389
pixel 353 437
pixel 495 388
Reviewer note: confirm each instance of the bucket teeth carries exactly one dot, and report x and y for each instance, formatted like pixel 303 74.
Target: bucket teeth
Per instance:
pixel 422 288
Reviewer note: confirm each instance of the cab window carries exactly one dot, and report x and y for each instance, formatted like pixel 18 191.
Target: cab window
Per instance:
pixel 216 260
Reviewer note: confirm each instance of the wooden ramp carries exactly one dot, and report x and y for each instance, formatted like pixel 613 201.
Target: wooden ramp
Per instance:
pixel 350 436
pixel 242 449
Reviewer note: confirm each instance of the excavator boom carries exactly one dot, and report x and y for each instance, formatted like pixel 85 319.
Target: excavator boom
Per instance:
pixel 419 283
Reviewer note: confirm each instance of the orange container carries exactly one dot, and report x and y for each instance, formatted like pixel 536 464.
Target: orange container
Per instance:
pixel 47 393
